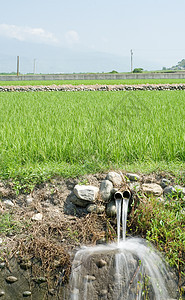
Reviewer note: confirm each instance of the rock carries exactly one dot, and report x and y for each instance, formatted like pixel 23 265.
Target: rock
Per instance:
pixel 2 265
pixel 111 209
pixel 106 187
pixel 134 186
pixel 152 189
pixel 26 294
pixel 133 177
pixel 101 263
pixel 76 201
pixel 164 182
pixel 8 203
pixel 29 200
pixel 25 265
pixel 40 279
pixel 95 208
pixel 115 178
pixel 89 278
pixel 103 293
pixel 2 293
pixel 169 191
pixel 37 217
pixel 11 279
pixel 86 192
pixel 180 190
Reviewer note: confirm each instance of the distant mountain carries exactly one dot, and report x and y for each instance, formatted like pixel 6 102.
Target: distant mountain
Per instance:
pixel 180 66
pixel 55 59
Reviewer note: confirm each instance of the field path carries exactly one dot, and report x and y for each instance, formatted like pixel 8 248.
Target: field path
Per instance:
pixel 97 87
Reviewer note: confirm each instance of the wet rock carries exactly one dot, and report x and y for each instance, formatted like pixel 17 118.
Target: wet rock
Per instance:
pixel 152 189
pixel 133 177
pixel 37 217
pixel 111 209
pixel 101 263
pixel 103 293
pixel 169 191
pixel 86 192
pixel 101 241
pixel 76 201
pixel 40 279
pixel 25 265
pixel 11 279
pixel 89 278
pixel 26 294
pixel 2 293
pixel 95 208
pixel 106 187
pixel 164 182
pixel 115 178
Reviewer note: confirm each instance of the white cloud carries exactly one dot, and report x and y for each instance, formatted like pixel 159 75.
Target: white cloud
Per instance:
pixel 38 35
pixel 72 37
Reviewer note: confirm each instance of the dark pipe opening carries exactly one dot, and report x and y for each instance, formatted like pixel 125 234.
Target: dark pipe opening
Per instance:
pixel 118 196
pixel 126 195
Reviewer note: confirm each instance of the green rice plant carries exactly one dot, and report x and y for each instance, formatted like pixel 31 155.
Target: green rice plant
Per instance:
pixel 89 82
pixel 71 133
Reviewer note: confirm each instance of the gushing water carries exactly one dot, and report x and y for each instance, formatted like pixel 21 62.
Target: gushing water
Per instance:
pixel 126 270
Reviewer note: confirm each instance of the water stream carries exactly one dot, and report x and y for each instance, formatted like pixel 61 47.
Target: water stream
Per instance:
pixel 127 270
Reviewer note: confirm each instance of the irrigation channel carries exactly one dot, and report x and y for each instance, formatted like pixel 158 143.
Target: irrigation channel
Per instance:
pixel 126 270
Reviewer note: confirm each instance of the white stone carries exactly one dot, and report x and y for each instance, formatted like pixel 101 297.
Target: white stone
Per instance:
pixel 115 178
pixel 152 189
pixel 29 200
pixel 86 192
pixel 8 203
pixel 37 217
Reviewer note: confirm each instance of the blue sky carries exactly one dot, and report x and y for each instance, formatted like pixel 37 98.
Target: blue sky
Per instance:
pixel 91 36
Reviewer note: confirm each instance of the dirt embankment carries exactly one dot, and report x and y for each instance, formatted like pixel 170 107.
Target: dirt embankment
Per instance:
pixel 97 87
pixel 42 230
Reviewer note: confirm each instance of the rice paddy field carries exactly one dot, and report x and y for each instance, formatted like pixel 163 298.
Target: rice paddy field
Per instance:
pixel 89 82
pixel 71 133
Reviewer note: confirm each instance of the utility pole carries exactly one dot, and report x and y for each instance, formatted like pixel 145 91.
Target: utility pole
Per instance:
pixel 17 65
pixel 34 66
pixel 131 66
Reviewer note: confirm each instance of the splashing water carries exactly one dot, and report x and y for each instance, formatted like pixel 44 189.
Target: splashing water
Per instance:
pixel 126 270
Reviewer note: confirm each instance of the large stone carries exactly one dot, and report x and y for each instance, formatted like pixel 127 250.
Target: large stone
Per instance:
pixel 164 182
pixel 79 202
pixel 152 189
pixel 111 209
pixel 115 178
pixel 133 177
pixel 106 187
pixel 169 191
pixel 86 192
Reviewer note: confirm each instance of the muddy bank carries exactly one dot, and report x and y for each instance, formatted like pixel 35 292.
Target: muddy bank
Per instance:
pixel 41 230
